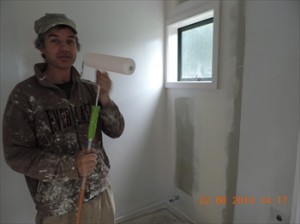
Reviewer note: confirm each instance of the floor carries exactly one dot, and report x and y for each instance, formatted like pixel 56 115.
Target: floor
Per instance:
pixel 161 216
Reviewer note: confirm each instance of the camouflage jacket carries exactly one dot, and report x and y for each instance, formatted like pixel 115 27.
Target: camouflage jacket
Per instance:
pixel 42 132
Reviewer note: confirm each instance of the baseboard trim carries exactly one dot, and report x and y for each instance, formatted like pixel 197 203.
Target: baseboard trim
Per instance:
pixel 153 208
pixel 139 212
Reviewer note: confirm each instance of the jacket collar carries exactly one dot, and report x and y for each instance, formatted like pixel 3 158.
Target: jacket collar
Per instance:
pixel 41 76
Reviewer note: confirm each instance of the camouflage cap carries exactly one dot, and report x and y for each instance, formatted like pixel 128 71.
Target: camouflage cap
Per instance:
pixel 51 20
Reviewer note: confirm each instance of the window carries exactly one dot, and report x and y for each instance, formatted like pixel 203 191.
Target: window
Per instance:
pixel 195 44
pixel 192 49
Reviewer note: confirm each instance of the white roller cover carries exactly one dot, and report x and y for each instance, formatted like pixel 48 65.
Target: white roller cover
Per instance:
pixel 109 63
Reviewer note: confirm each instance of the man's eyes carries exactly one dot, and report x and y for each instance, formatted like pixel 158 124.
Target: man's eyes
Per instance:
pixel 58 41
pixel 71 41
pixel 54 40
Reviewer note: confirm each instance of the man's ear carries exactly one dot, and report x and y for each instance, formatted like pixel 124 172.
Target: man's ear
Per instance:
pixel 42 50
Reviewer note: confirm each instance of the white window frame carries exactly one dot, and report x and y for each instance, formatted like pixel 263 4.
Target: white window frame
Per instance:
pixel 196 14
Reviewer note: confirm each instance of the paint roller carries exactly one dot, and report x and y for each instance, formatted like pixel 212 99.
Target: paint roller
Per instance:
pixel 107 63
pixel 110 63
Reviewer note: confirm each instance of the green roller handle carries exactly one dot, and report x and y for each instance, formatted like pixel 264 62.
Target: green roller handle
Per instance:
pixel 93 122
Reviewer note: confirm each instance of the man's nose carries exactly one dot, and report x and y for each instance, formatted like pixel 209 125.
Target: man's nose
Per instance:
pixel 64 46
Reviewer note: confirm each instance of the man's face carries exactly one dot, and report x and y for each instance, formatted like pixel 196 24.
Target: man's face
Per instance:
pixel 60 48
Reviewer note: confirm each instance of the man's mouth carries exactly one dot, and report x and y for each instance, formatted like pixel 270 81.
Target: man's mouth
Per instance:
pixel 64 57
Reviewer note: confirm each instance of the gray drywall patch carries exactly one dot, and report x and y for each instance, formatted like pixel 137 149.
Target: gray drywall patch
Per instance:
pixel 184 145
pixel 234 135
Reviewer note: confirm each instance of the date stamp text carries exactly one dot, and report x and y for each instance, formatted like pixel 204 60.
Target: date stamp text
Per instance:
pixel 242 200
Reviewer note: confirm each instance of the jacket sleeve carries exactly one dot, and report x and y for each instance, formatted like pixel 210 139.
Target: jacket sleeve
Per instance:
pixel 112 120
pixel 21 150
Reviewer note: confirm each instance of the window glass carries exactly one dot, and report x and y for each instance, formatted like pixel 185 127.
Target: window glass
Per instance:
pixel 195 51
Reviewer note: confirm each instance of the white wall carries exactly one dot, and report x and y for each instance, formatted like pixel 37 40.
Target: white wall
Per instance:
pixel 125 28
pixel 270 108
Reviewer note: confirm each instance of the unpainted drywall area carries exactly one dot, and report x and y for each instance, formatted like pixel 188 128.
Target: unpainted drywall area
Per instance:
pixel 184 145
pixel 233 141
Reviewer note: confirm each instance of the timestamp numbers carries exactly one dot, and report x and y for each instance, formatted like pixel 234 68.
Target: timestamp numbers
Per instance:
pixel 242 200
pixel 267 200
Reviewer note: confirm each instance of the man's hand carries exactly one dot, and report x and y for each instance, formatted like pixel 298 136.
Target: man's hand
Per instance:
pixel 105 84
pixel 86 162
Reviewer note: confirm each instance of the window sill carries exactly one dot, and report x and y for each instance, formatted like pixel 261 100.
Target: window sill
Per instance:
pixel 191 85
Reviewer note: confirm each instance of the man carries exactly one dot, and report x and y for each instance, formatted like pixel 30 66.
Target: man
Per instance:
pixel 45 127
